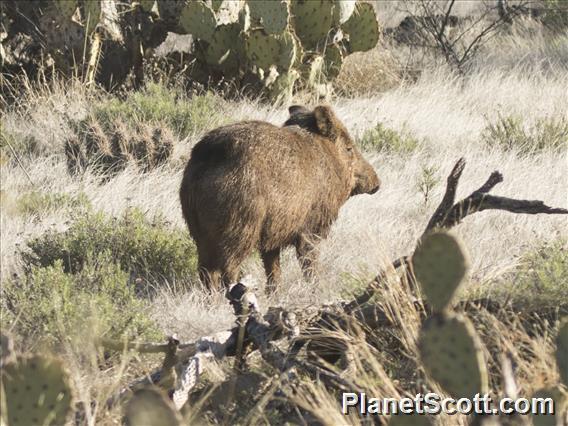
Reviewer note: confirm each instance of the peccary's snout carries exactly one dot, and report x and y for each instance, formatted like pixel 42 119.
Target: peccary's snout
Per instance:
pixel 366 179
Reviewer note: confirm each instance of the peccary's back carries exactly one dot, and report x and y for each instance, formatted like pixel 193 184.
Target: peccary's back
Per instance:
pixel 254 177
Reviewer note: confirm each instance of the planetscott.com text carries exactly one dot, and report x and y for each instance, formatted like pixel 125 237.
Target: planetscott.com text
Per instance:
pixel 432 403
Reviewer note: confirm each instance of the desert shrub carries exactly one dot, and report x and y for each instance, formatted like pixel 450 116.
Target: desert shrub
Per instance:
pixel 381 138
pixel 48 304
pixel 148 250
pixel 39 202
pixel 555 14
pixel 539 282
pixel 159 105
pixel 509 132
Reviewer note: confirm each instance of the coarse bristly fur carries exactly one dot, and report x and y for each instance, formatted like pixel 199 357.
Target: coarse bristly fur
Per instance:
pixel 253 185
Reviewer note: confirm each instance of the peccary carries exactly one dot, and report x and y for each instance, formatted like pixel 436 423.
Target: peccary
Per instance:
pixel 253 185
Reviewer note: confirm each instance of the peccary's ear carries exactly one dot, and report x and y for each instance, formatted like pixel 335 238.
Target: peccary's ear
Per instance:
pixel 326 122
pixel 298 109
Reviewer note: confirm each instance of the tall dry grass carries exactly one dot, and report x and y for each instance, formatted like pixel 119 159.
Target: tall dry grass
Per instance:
pixel 446 113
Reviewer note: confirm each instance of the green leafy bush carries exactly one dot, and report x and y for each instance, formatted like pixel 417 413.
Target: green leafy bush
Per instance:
pixel 509 133
pixel 384 139
pixel 149 250
pixel 49 304
pixel 38 202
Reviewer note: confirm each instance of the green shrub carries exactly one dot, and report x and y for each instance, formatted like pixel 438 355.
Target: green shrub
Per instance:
pixel 48 304
pixel 540 282
pixel 157 104
pixel 384 139
pixel 509 133
pixel 150 250
pixel 555 14
pixel 37 202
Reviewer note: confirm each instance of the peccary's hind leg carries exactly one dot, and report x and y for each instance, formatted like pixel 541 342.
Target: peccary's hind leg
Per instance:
pixel 210 277
pixel 307 254
pixel 271 261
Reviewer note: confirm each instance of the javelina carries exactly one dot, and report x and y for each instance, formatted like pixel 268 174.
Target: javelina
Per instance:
pixel 254 185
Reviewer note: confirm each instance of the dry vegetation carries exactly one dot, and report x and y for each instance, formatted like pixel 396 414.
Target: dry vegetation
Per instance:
pixel 426 123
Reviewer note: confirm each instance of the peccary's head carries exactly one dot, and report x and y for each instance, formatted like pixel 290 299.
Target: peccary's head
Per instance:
pixel 323 121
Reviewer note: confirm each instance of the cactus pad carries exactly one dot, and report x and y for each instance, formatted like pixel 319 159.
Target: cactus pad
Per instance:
pixel 290 50
pixel 66 7
pixel 362 28
pixel 440 265
pixel 312 20
pixel 91 13
pixel 562 351
pixel 342 11
pixel 273 15
pixel 147 5
pixel 452 355
pixel 60 32
pixel 37 392
pixel 199 20
pixel 266 50
pixel 333 59
pixel 150 406
pixel 225 48
pixel 560 399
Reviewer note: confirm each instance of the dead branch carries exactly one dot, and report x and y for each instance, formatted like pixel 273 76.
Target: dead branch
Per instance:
pixel 184 362
pixel 449 214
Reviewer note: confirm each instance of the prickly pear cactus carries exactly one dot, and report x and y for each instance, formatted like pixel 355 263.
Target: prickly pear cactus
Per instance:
pixel 264 50
pixel 273 15
pixel 452 355
pixel 150 406
pixel 199 20
pixel 440 265
pixel 170 10
pixel 312 20
pixel 225 49
pixel 562 351
pixel 342 11
pixel 560 398
pixel 66 7
pixel 37 391
pixel 362 28
pixel 147 5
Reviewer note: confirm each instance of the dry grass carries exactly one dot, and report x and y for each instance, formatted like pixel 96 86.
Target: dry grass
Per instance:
pixel 447 114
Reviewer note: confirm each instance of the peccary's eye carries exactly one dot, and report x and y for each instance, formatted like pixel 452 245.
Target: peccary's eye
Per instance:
pixel 350 149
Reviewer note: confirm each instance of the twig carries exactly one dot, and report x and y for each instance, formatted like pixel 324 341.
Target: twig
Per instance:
pixel 448 215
